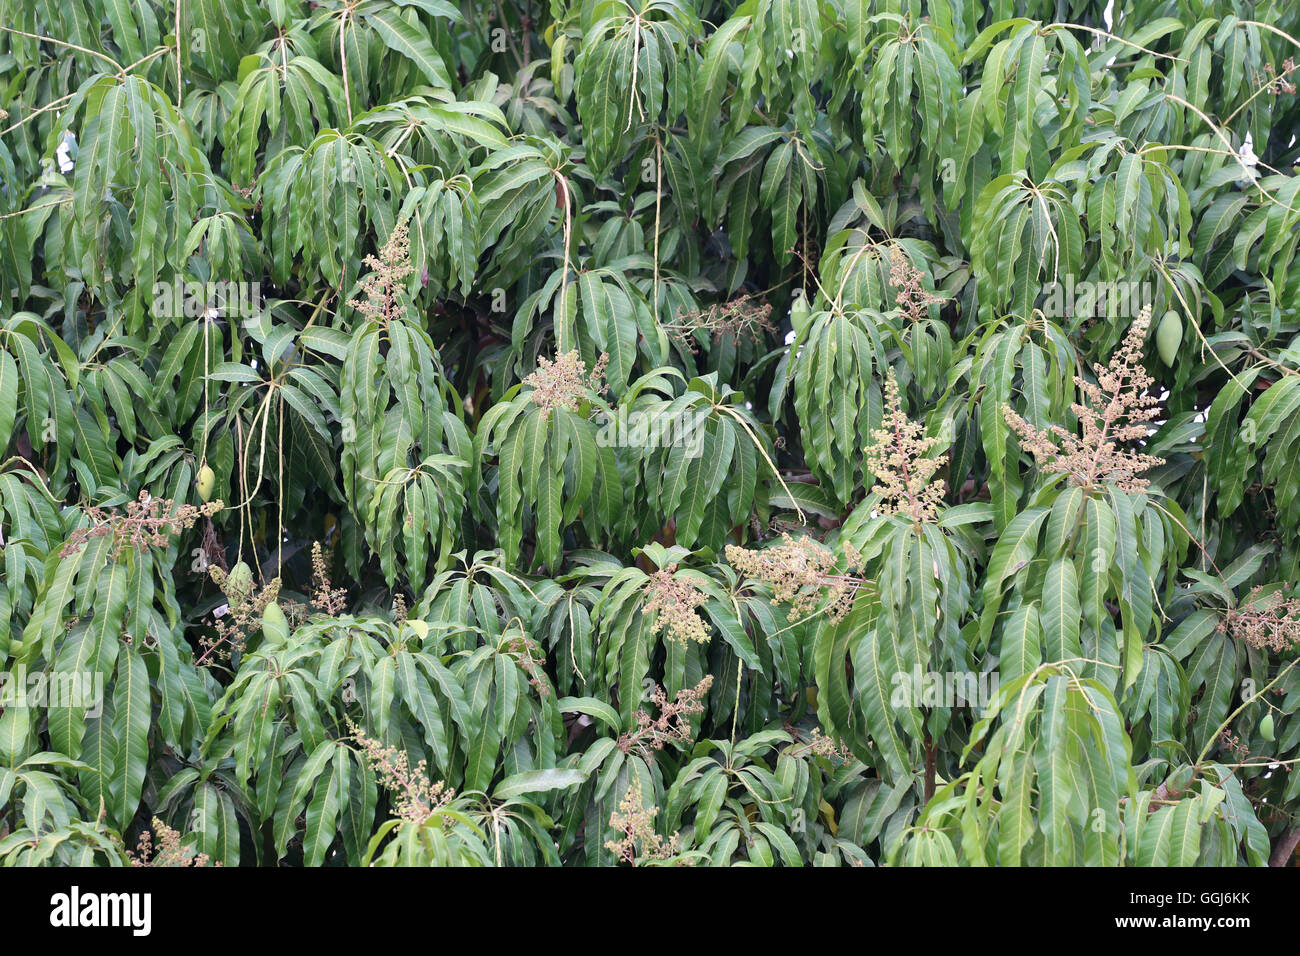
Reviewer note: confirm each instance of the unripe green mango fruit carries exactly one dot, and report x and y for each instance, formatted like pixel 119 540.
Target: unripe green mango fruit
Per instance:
pixel 1169 335
pixel 206 483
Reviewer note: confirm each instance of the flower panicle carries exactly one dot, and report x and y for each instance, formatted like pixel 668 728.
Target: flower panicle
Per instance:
pixel 562 383
pixel 241 615
pixel 416 797
pixel 744 318
pixel 1115 413
pixel 672 725
pixel 325 598
pixel 899 459
pixel 1267 622
pixel 911 295
pixel 383 285
pixel 672 601
pixel 802 572
pixel 144 523
pixel 638 840
pixel 169 851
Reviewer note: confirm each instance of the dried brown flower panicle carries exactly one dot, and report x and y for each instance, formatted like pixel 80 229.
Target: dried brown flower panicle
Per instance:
pixel 384 283
pixel 563 383
pixel 1115 411
pixel 326 599
pixel 913 299
pixel 904 474
pixel 745 317
pixel 636 823
pixel 671 726
pixel 169 851
pixel 147 523
pixel 1269 623
pixel 415 797
pixel 673 602
pixel 801 572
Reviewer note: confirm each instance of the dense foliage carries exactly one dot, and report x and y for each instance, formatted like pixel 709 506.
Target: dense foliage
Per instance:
pixel 649 431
